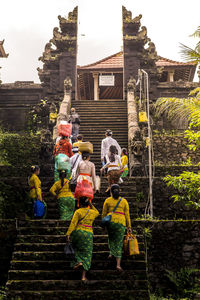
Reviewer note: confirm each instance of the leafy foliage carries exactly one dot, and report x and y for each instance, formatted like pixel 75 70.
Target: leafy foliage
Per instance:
pixel 184 282
pixel 189 54
pixel 188 186
pixel 16 149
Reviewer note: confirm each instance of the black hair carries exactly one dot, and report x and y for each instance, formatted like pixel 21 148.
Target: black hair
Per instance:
pixel 108 132
pixel 85 155
pixel 62 176
pixel 124 151
pixel 34 168
pixel 83 201
pixel 113 151
pixel 115 191
pixel 79 137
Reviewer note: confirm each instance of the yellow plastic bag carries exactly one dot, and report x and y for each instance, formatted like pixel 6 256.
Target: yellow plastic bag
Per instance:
pixel 143 117
pixel 131 245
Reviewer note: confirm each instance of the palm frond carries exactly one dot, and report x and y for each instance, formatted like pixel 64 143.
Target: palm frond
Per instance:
pixel 179 109
pixel 189 54
pixel 196 33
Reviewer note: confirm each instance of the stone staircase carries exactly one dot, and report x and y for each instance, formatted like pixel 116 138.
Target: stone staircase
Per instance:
pixel 39 268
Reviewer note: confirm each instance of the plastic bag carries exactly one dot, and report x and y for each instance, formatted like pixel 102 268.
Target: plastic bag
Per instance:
pixel 69 251
pixel 84 189
pixel 39 209
pixel 63 162
pixel 65 129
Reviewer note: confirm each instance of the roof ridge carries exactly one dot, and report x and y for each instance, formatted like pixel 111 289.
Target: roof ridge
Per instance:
pixel 102 60
pixel 175 61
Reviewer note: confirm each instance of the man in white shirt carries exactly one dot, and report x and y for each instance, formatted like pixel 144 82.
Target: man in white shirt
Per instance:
pixel 75 160
pixel 105 145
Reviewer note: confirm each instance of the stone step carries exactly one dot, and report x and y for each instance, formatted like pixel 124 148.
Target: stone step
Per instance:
pixel 98 238
pixel 75 284
pixel 73 275
pixel 51 230
pixel 60 223
pixel 103 126
pixel 59 246
pixel 60 255
pixel 81 294
pixel 127 264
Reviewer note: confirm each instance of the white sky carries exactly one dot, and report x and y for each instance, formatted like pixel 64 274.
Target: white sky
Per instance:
pixel 27 26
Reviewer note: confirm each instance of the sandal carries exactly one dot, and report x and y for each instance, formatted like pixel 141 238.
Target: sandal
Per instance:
pixel 78 265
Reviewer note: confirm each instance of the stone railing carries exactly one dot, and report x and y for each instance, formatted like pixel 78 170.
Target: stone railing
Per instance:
pixel 133 127
pixel 65 106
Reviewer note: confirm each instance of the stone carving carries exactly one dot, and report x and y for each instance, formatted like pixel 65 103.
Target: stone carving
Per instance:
pixel 143 33
pixel 67 84
pixel 47 53
pixel 60 61
pixel 131 84
pixel 137 19
pixel 46 145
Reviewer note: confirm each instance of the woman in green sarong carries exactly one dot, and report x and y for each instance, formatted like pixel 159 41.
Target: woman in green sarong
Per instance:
pixel 66 201
pixel 80 232
pixel 117 227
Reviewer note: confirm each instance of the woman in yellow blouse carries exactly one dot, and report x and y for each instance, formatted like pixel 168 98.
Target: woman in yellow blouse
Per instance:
pixel 62 192
pixel 81 234
pixel 35 184
pixel 120 219
pixel 35 191
pixel 124 161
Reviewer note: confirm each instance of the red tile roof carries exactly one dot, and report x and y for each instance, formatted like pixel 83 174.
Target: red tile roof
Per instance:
pixel 165 62
pixel 115 61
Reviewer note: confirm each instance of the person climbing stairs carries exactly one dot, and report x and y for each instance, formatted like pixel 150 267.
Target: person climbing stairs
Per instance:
pixel 39 268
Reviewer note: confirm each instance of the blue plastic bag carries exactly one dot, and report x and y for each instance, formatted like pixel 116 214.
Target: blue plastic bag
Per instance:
pixel 39 209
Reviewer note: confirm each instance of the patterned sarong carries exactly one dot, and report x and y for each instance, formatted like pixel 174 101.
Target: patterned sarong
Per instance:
pixel 66 207
pixel 113 176
pixel 116 233
pixel 125 173
pixel 82 242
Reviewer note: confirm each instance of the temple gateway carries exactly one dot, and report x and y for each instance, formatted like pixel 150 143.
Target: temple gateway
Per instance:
pixel 117 93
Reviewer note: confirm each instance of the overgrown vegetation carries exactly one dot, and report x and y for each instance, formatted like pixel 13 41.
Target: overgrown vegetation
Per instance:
pixel 187 184
pixel 184 283
pixel 16 149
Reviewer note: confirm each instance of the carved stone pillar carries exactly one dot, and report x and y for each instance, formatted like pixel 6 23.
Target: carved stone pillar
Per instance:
pixel 96 86
pixel 133 126
pixel 170 76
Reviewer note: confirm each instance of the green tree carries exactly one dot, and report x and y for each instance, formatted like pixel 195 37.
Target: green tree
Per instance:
pixel 189 54
pixel 187 184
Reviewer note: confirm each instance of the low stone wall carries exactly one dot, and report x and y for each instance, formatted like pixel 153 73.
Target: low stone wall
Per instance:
pixel 16 101
pixel 173 149
pixel 7 239
pixel 163 206
pixel 173 245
